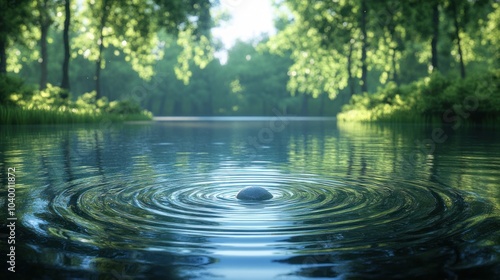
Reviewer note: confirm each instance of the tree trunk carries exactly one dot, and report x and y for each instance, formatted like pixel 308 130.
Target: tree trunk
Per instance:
pixel 457 35
pixel 391 22
pixel 66 151
pixel 350 79
pixel 435 36
pixel 97 76
pixel 3 56
pixel 364 66
pixel 44 28
pixel 98 66
pixel 44 20
pixel 65 66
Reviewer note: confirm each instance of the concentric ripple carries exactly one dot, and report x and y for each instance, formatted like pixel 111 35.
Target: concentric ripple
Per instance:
pixel 200 213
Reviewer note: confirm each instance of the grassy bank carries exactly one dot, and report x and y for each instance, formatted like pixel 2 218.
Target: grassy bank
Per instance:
pixel 53 105
pixel 18 115
pixel 475 99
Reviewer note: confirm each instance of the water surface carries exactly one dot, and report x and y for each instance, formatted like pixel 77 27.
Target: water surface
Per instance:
pixel 157 200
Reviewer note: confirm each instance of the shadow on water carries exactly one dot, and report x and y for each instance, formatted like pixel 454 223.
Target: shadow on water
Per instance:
pixel 159 201
pixel 452 258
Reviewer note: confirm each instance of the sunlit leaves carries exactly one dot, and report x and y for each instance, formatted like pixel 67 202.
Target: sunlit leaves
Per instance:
pixel 235 86
pixel 319 72
pixel 199 50
pixel 318 68
pixel 14 61
pixel 127 29
pixel 412 101
pixel 132 28
pixel 16 25
pixel 492 30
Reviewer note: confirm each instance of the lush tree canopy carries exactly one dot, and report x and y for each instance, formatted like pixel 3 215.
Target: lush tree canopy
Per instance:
pixel 161 53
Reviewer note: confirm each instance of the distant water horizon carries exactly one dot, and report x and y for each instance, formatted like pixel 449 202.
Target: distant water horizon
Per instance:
pixel 241 118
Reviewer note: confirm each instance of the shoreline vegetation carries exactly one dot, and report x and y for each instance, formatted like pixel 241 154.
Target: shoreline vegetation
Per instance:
pixel 22 116
pixel 22 104
pixel 474 100
pixel 434 99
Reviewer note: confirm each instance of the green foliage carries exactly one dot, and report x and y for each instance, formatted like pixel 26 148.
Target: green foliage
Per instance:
pixel 326 41
pixel 318 67
pixel 47 99
pixel 19 115
pixel 252 82
pixel 491 30
pixel 434 98
pixel 13 85
pixel 51 105
pixel 198 50
pixel 88 102
pixel 124 107
pixel 152 49
pixel 133 28
pixel 482 89
pixel 257 80
pixel 15 17
pixel 123 25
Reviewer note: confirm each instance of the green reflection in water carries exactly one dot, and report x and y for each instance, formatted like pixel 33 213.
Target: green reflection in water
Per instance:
pixel 127 199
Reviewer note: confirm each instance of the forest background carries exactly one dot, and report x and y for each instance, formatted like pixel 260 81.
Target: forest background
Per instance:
pixel 368 60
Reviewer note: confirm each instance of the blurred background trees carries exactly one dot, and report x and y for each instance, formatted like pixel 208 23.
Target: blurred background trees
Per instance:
pixel 161 53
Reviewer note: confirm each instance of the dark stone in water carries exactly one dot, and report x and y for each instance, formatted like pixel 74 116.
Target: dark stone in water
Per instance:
pixel 254 193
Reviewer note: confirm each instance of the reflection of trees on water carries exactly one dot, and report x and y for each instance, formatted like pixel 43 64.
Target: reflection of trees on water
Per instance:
pixel 56 158
pixel 442 259
pixel 98 154
pixel 61 159
pixel 66 147
pixel 351 162
pixel 383 154
pixel 405 152
pixel 47 260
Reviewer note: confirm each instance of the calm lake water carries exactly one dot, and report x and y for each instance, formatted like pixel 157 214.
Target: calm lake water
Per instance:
pixel 157 200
